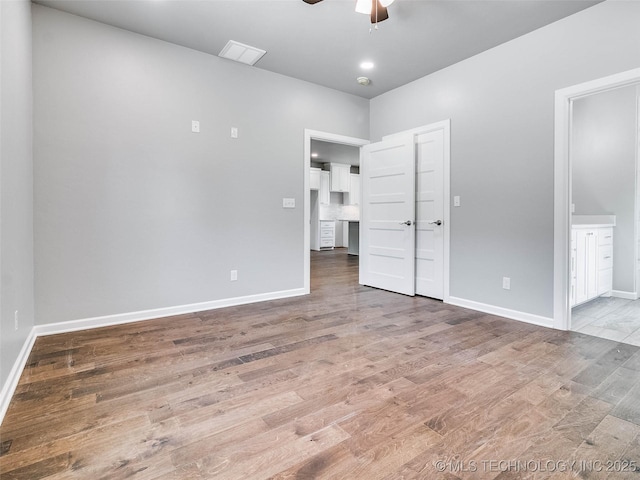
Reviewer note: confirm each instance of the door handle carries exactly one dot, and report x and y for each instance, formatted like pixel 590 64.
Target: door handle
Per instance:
pixel 435 222
pixel 408 223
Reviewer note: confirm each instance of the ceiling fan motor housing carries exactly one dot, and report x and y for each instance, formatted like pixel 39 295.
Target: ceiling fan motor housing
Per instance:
pixel 377 9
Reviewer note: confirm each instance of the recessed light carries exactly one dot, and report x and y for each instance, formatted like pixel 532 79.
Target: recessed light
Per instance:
pixel 314 155
pixel 366 65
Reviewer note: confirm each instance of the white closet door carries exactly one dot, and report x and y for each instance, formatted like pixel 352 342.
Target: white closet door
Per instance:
pixel 387 241
pixel 430 214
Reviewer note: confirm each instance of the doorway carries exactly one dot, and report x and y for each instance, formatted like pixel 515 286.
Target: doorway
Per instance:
pixel 309 136
pixel 604 197
pixel 564 222
pixel 335 196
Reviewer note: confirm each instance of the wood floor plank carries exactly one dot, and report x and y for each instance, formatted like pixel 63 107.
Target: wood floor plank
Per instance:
pixel 349 382
pixel 628 467
pixel 606 445
pixel 598 371
pixel 265 455
pixel 628 408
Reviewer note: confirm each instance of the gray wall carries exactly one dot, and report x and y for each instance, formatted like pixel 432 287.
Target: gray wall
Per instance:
pixel 603 156
pixel 135 212
pixel 16 181
pixel 501 106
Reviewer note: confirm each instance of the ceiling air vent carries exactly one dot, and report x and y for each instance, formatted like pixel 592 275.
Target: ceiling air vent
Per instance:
pixel 239 52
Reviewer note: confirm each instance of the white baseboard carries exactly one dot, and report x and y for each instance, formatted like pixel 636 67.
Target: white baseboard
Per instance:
pixel 502 312
pixel 118 319
pixel 10 385
pixel 625 295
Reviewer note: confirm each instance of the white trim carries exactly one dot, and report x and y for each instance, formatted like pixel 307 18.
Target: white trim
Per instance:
pixel 562 185
pixel 636 206
pixel 625 295
pixel 11 383
pixel 562 215
pixel 121 318
pixel 444 125
pixel 502 312
pixel 325 137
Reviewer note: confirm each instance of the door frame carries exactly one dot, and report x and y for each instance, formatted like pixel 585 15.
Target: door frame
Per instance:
pixel 636 209
pixel 445 126
pixel 325 137
pixel 562 185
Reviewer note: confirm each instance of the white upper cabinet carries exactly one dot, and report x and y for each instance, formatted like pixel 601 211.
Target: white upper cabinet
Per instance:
pixel 340 177
pixel 314 178
pixel 323 192
pixel 354 190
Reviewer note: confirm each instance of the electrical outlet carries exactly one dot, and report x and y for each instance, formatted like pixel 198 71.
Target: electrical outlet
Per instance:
pixel 456 201
pixel 195 126
pixel 506 283
pixel 234 275
pixel 15 320
pixel 288 203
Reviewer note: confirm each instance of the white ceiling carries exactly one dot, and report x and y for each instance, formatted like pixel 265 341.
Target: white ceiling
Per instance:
pixel 326 42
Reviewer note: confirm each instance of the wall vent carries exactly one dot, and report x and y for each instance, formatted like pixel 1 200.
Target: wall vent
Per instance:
pixel 239 52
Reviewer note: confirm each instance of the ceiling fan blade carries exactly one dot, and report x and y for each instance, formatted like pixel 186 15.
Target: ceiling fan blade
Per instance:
pixel 311 2
pixel 378 12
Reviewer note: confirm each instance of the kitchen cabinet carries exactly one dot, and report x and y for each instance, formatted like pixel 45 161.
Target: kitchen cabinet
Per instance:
pixel 572 273
pixel 354 190
pixel 324 195
pixel 340 177
pixel 327 234
pixel 591 263
pixel 314 178
pixel 605 261
pixel 354 238
pixel 586 265
pixel 322 231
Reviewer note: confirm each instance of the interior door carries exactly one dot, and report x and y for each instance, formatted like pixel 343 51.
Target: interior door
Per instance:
pixel 430 214
pixel 387 230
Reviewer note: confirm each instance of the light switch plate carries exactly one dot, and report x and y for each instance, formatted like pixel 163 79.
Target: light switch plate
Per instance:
pixel 234 132
pixel 195 126
pixel 456 201
pixel 288 203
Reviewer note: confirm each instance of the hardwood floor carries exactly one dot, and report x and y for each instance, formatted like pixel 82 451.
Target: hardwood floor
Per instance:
pixel 347 383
